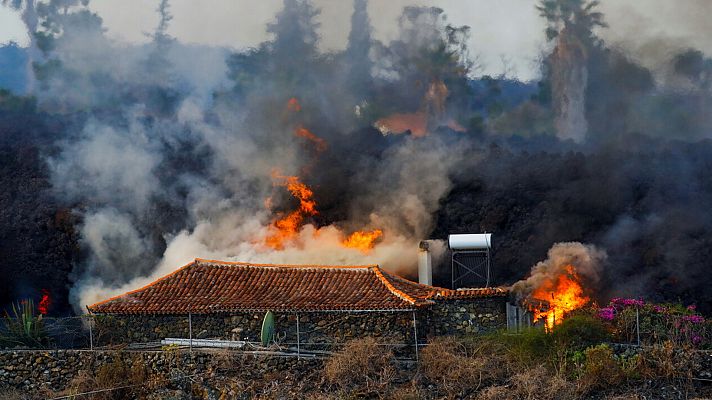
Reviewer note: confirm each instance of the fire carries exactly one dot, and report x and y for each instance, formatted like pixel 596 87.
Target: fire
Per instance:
pixel 363 240
pixel 319 143
pixel 564 294
pixel 416 123
pixel 293 105
pixel 286 228
pixel 45 302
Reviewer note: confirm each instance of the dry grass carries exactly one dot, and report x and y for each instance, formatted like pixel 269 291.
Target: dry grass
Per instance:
pixel 663 361
pixel 459 370
pixel 489 369
pixel 362 367
pixel 601 370
pixel 530 384
pixel 114 374
pixel 12 394
pixel 625 397
pixel 80 383
pixel 228 360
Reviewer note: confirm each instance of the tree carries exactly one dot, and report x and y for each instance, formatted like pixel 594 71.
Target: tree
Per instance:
pixel 431 63
pixel 157 63
pixel 571 17
pixel 295 39
pixel 358 49
pixel 693 65
pixel 31 20
pixel 570 23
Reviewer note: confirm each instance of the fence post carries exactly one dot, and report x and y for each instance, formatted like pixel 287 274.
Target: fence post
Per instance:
pixel 190 331
pixel 415 334
pixel 298 348
pixel 91 338
pixel 637 323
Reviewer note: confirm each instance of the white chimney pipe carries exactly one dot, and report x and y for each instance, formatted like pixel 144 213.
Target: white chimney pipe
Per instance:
pixel 425 264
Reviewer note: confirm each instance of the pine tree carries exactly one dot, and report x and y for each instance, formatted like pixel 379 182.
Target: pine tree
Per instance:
pixel 358 49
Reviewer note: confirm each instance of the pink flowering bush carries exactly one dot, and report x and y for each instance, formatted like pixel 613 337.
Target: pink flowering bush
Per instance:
pixel 658 323
pixel 607 313
pixel 619 303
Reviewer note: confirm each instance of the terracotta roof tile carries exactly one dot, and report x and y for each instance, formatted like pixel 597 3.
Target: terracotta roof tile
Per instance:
pixel 208 286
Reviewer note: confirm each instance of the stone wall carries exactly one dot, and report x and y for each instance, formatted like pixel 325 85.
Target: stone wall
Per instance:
pixel 44 373
pixel 446 318
pixel 41 374
pixel 465 317
pixel 314 328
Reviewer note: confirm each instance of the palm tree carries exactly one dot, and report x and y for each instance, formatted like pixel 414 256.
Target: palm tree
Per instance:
pixel 577 17
pixel 570 23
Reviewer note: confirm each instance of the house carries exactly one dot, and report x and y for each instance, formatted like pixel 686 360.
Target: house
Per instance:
pixel 312 305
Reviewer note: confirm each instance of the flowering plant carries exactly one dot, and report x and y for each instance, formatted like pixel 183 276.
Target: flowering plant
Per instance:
pixel 655 323
pixel 607 313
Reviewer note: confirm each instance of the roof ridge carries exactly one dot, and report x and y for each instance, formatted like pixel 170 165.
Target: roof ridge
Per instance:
pixel 377 270
pixel 130 292
pixel 249 264
pixel 489 290
pixel 434 290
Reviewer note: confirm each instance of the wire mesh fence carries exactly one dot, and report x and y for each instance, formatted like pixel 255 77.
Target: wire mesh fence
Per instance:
pixel 46 332
pixel 292 334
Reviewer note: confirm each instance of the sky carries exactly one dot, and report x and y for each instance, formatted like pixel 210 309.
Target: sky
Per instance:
pixel 507 35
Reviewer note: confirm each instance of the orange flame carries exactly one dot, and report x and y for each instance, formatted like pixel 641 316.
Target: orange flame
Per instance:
pixel 564 294
pixel 319 143
pixel 363 240
pixel 293 105
pixel 45 301
pixel 286 228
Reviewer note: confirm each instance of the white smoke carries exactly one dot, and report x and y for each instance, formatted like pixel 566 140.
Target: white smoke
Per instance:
pixel 417 173
pixel 173 171
pixel 107 166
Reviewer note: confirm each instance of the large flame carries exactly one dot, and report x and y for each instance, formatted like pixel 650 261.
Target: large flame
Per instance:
pixel 563 294
pixel 363 240
pixel 286 228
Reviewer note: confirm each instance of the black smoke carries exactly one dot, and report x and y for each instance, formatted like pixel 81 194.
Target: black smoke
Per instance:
pixel 128 161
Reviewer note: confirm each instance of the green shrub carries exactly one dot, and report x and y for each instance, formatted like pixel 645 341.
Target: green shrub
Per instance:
pixel 23 326
pixel 532 346
pixel 580 332
pixel 601 369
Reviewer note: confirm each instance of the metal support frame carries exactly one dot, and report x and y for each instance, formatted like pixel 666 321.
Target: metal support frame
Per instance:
pixel 473 269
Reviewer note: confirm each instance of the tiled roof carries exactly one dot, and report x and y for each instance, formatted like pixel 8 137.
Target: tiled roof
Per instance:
pixel 207 286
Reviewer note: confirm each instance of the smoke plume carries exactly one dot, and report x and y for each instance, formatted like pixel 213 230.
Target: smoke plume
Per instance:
pixel 132 160
pixel 587 262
